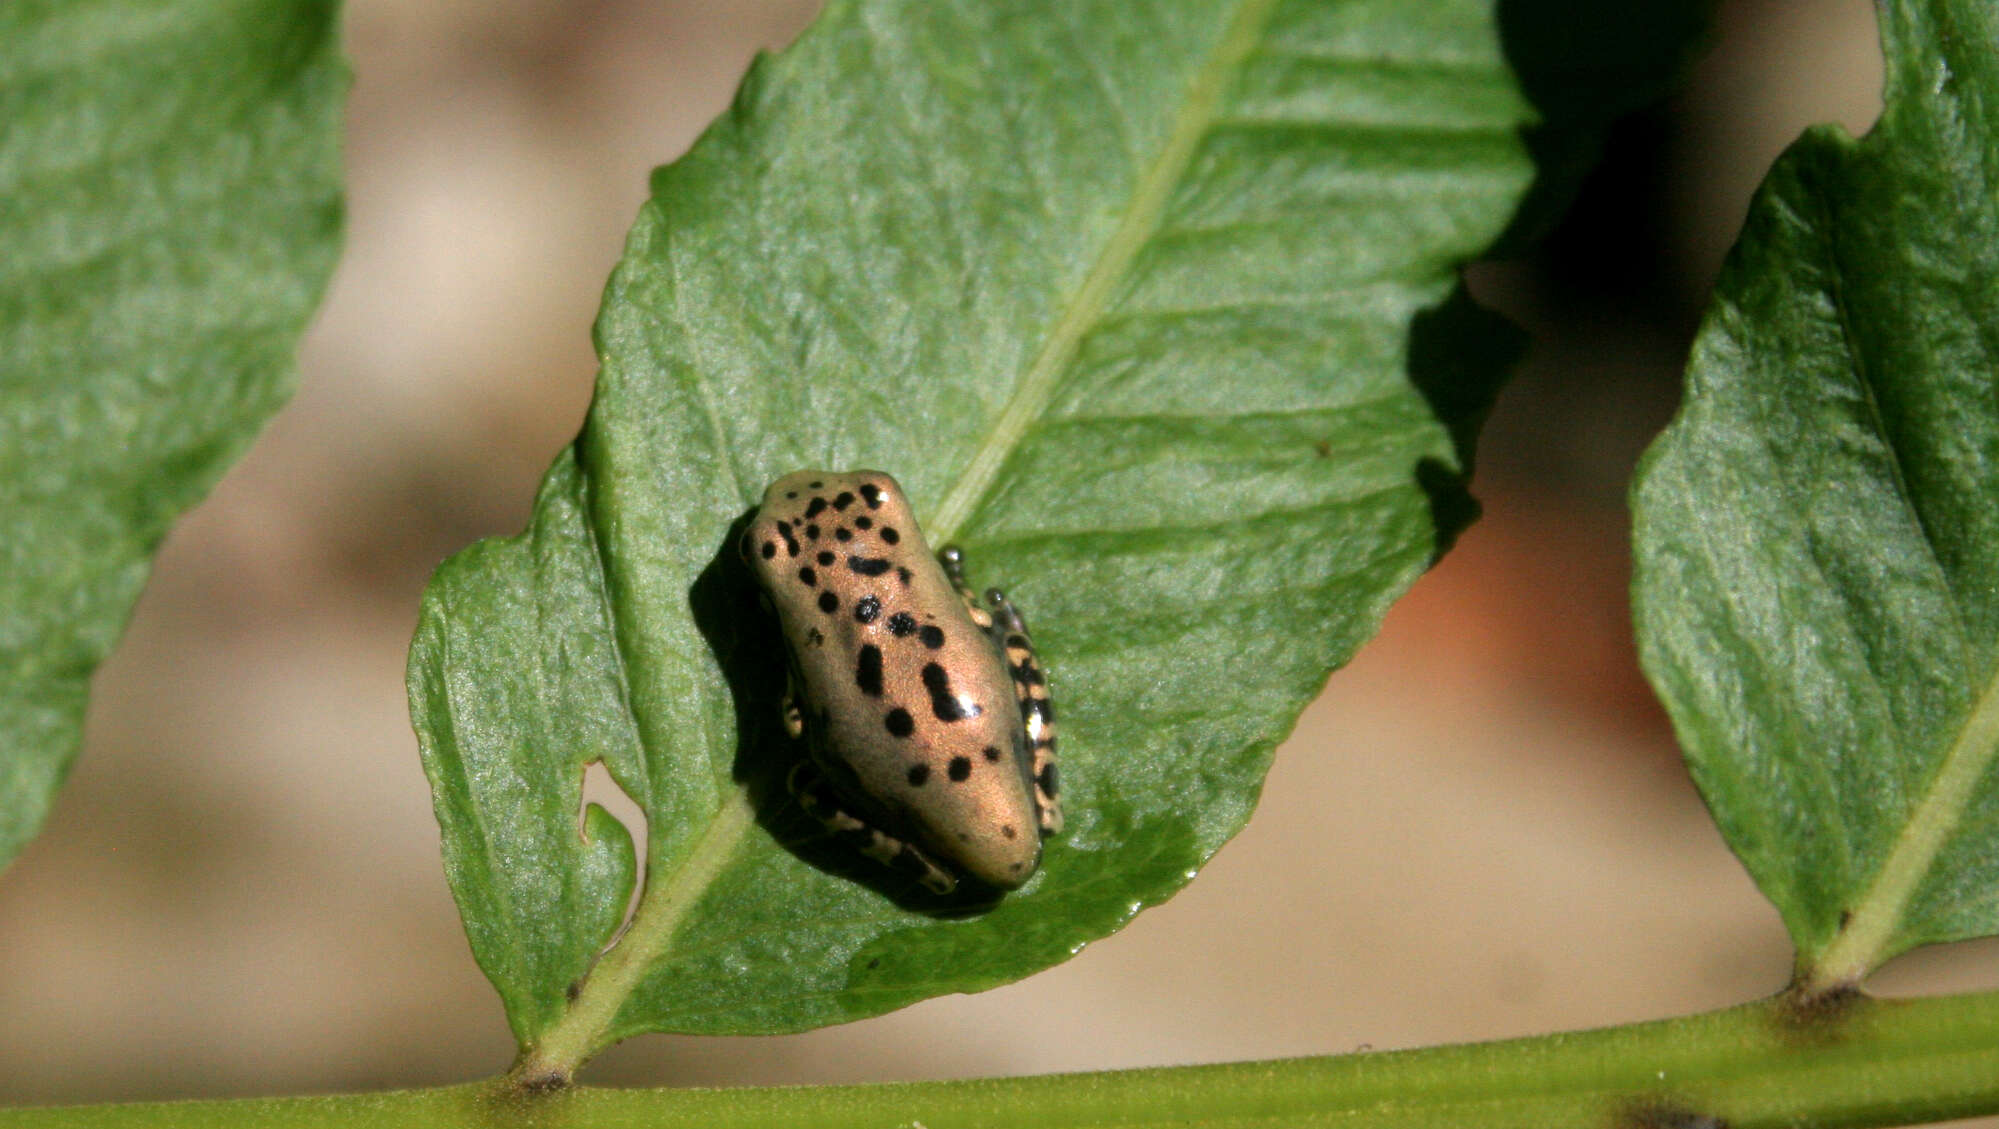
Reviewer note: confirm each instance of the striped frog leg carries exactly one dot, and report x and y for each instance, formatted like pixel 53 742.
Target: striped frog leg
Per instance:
pixel 1000 618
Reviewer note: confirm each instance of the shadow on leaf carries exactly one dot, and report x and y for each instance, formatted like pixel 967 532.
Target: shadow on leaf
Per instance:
pixel 1459 353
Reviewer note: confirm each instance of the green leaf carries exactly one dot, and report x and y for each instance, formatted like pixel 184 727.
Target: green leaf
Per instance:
pixel 1818 531
pixel 169 209
pixel 1152 307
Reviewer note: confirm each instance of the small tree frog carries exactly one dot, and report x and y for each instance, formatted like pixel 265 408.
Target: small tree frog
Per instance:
pixel 925 714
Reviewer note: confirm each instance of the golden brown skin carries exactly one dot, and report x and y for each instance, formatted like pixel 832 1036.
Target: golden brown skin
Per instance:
pixel 928 728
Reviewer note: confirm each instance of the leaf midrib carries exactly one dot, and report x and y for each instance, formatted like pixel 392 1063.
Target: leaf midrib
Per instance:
pixel 1198 113
pixel 662 908
pixel 1872 932
pixel 582 1029
pixel 1873 925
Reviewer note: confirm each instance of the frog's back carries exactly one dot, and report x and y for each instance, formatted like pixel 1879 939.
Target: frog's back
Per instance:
pixel 909 706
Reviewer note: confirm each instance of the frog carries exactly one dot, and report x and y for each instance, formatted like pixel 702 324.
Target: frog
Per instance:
pixel 923 707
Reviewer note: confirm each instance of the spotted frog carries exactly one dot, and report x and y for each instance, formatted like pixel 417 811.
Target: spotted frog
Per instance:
pixel 930 738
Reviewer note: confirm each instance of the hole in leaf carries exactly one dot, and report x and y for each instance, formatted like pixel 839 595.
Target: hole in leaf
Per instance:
pixel 600 788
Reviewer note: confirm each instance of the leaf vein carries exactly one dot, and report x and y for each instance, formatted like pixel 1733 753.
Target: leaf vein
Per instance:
pixel 1150 198
pixel 1100 535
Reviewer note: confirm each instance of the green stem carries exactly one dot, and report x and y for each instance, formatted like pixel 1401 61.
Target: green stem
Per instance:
pixel 1848 1062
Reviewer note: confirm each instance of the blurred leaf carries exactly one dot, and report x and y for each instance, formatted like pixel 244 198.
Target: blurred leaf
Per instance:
pixel 169 209
pixel 1818 531
pixel 1152 307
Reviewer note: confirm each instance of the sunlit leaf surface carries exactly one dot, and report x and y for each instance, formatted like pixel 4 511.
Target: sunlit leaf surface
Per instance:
pixel 1151 306
pixel 1818 531
pixel 169 212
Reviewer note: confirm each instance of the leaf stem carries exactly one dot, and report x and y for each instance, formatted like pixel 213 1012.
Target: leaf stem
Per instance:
pixel 1854 1062
pixel 1872 933
pixel 585 1028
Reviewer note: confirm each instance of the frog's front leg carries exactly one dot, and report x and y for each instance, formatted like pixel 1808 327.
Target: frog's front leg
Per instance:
pixel 789 711
pixel 953 560
pixel 1037 713
pixel 999 618
pixel 823 804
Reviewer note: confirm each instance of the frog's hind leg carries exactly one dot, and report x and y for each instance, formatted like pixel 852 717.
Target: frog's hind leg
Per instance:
pixel 820 802
pixel 1036 712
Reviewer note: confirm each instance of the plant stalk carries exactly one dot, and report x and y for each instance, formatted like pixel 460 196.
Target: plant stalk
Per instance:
pixel 1851 1062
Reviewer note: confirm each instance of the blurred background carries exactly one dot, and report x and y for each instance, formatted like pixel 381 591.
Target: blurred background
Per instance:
pixel 1481 829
